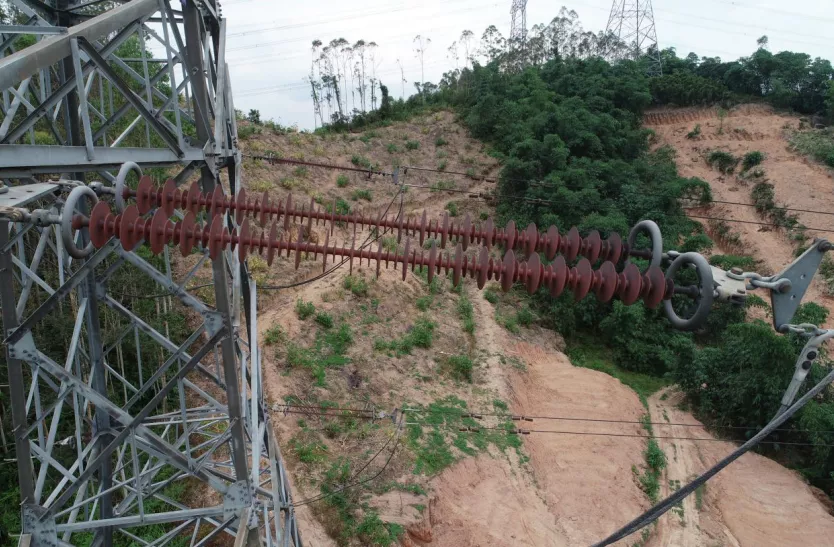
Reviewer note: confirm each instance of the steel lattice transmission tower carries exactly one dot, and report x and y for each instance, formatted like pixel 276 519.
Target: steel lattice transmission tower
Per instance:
pixel 632 22
pixel 518 33
pixel 107 418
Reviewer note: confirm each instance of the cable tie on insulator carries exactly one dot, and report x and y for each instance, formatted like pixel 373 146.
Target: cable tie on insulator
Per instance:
pixel 520 431
pixel 470 429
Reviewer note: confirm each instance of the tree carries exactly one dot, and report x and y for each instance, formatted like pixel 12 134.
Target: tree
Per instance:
pixel 466 38
pixel 420 52
pixel 254 116
pixel 359 48
pixel 403 81
pixel 452 53
pixel 493 44
pixel 762 42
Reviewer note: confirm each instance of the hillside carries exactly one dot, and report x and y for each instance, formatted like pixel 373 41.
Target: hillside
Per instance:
pixel 349 340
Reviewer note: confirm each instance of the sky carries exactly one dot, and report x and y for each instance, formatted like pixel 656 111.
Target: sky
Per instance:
pixel 268 42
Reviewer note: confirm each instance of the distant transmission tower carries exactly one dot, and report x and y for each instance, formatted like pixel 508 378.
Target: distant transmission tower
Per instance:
pixel 632 21
pixel 518 33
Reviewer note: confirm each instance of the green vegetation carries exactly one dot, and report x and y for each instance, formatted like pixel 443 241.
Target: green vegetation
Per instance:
pixel 274 335
pixel 341 207
pixel 437 442
pixel 392 148
pixel 452 207
pixel 466 313
pixel 420 335
pixel 442 185
pixel 695 133
pixel 440 141
pixel 356 195
pixel 300 172
pixel 723 161
pixel 324 319
pixel 412 145
pixel 328 351
pixel 424 303
pixel 764 198
pixel 728 262
pixel 356 285
pixel 460 367
pixel 752 159
pixel 818 144
pixel 304 309
pixel 360 161
pixel 341 181
pixel 442 165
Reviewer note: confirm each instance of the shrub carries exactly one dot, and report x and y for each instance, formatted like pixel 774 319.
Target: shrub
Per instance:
pixel 304 309
pixel 728 262
pixel 342 207
pixel 460 366
pixel 420 335
pixel 324 319
pixel 466 313
pixel 300 171
pixel 342 181
pixel 491 295
pixel 412 145
pixel 392 148
pixel 452 207
pixel 360 161
pixel 442 185
pixel 752 159
pixel 724 161
pixel 441 166
pixel 357 285
pixel 525 317
pixel 440 141
pixel 274 335
pixel 695 133
pixel 361 194
pixel 424 303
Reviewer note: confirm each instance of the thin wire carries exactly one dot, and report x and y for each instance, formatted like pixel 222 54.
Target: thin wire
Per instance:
pixel 659 509
pixel 532 417
pixel 364 481
pixel 526 181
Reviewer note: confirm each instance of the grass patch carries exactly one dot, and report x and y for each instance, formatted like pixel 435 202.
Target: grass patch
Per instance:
pixel 460 367
pixel 424 303
pixel 442 165
pixel 341 207
pixel 300 172
pixel 525 317
pixel 328 351
pixel 274 335
pixel 728 262
pixel 304 309
pixel 509 322
pixel 342 181
pixel 440 141
pixel 356 285
pixel 818 144
pixel 441 185
pixel 392 148
pixel 324 319
pixel 466 313
pixel 452 207
pixel 437 441
pixel 360 161
pixel 356 195
pixel 412 145
pixel 695 133
pixel 420 335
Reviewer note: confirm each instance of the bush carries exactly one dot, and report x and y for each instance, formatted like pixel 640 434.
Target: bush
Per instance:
pixel 342 181
pixel 695 133
pixel 361 194
pixel 412 145
pixel 525 317
pixel 752 159
pixel 420 335
pixel 360 161
pixel 274 335
pixel 392 148
pixel 304 309
pixel 342 207
pixel 728 262
pixel 324 319
pixel 357 285
pixel 440 141
pixel 442 165
pixel 460 366
pixel 466 313
pixel 424 303
pixel 724 161
pixel 452 207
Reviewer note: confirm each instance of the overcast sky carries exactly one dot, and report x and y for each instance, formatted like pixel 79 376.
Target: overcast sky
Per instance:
pixel 268 47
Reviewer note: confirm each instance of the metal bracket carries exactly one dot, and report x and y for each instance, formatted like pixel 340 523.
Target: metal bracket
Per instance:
pixel 24 349
pixel 799 274
pixel 43 530
pixel 728 289
pixel 803 367
pixel 213 321
pixel 237 497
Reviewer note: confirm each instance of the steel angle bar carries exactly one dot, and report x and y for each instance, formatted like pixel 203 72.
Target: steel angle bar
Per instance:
pixel 131 97
pixel 61 292
pixel 152 518
pixel 55 98
pixel 27 62
pixel 129 422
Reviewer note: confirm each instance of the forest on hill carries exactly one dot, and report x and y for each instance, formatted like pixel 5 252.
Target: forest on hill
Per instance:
pixel 567 130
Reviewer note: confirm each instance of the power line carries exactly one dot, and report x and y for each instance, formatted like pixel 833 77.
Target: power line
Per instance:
pixel 527 417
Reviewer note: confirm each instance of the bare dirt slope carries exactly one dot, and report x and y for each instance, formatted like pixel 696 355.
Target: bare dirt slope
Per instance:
pixel 798 181
pixel 755 501
pixel 557 489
